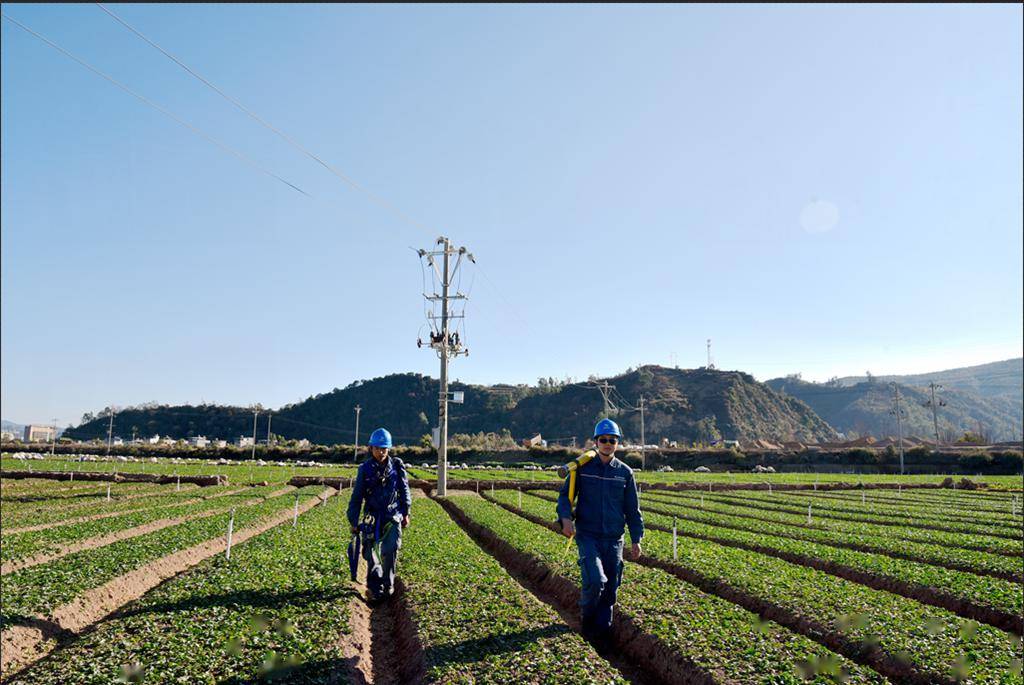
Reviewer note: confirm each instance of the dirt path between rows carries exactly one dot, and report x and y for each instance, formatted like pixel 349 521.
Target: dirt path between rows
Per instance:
pixel 824 634
pixel 23 645
pixel 110 514
pixel 642 658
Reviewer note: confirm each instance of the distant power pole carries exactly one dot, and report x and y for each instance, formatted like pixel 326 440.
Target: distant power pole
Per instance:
pixel 899 421
pixel 446 344
pixel 53 439
pixel 355 451
pixel 935 408
pixel 269 417
pixel 255 413
pixel 110 431
pixel 643 437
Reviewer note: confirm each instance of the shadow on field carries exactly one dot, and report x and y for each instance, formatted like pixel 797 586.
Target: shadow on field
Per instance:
pixel 476 650
pixel 258 599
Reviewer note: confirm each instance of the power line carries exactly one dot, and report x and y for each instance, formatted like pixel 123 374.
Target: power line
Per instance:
pixel 199 132
pixel 380 201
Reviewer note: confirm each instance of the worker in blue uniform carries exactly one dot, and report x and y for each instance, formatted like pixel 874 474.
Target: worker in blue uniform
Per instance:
pixel 381 493
pixel 606 504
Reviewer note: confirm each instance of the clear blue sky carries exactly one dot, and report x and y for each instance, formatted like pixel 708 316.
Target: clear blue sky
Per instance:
pixel 824 190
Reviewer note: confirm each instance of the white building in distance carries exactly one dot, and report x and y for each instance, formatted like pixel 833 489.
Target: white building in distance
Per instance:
pixel 35 433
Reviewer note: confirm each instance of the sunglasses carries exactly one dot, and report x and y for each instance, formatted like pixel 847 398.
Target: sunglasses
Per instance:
pixel 608 441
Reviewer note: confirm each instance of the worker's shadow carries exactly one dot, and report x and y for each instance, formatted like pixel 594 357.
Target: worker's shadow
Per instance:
pixel 490 645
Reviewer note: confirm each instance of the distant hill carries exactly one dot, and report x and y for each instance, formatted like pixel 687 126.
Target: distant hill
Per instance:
pixel 998 379
pixel 679 405
pixel 864 409
pixel 17 428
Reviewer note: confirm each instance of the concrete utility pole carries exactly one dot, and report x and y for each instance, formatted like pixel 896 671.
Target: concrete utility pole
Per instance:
pixel 899 421
pixel 935 408
pixel 269 417
pixel 53 439
pixel 355 451
pixel 643 437
pixel 255 413
pixel 110 431
pixel 446 344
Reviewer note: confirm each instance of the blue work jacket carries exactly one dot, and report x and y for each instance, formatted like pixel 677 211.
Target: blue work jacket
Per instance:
pixel 384 488
pixel 606 501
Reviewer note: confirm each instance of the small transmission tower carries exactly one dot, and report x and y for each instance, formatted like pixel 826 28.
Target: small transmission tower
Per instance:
pixel 443 341
pixel 711 363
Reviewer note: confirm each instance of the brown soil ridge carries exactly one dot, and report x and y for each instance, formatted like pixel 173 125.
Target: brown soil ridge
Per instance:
pixel 871 656
pixel 755 517
pixel 398 657
pixel 111 514
pixel 23 645
pixel 654 661
pixel 126 534
pixel 795 509
pixel 356 651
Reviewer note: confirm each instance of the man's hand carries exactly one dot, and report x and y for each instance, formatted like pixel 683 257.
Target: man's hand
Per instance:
pixel 405 521
pixel 568 529
pixel 634 552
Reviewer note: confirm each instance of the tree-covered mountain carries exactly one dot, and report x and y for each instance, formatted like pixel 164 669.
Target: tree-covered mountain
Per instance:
pixel 687 405
pixel 866 409
pixel 997 379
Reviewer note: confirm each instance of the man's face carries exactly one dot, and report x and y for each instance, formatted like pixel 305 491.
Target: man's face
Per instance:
pixel 606 445
pixel 379 453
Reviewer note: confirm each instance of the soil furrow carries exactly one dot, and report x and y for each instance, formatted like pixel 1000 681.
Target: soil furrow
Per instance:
pixel 647 659
pixel 111 514
pixel 797 524
pixel 870 549
pixel 23 645
pixel 111 538
pixel 871 656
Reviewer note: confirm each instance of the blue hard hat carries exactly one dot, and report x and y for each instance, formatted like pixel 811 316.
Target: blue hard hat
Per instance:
pixel 607 427
pixel 380 438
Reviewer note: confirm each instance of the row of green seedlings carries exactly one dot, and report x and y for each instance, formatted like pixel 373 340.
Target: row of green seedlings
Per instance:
pixel 475 624
pixel 849 537
pixel 57 515
pixel 51 540
pixel 277 610
pixel 71 496
pixel 1003 508
pixel 673 628
pixel 874 514
pixel 37 592
pixel 989 600
pixel 958 541
pixel 899 637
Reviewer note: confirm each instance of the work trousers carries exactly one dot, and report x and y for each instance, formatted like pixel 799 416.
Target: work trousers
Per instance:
pixel 381 559
pixel 600 575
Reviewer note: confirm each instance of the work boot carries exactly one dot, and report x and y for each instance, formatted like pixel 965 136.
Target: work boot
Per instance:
pixel 604 643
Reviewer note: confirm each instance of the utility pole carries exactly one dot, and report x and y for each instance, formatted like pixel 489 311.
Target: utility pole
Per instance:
pixel 355 451
pixel 255 413
pixel 935 408
pixel 446 344
pixel 899 422
pixel 269 417
pixel 643 437
pixel 110 430
pixel 53 439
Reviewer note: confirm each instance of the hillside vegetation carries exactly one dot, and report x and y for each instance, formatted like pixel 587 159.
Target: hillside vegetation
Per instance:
pixel 687 405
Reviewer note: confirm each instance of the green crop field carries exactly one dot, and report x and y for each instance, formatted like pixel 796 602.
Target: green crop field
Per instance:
pixel 131 582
